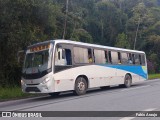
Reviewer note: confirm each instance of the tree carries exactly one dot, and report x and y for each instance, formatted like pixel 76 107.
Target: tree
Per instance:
pixel 110 21
pixel 122 41
pixel 23 22
pixel 138 23
pixel 153 58
pixel 153 48
pixel 82 35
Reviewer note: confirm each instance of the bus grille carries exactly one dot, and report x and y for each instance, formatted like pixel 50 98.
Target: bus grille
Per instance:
pixel 32 89
pixel 32 84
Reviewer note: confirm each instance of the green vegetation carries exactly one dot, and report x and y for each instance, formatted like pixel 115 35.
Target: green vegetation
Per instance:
pixel 153 76
pixel 12 93
pixel 122 23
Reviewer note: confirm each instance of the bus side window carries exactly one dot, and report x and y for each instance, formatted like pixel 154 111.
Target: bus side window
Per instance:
pixel 133 58
pixel 63 54
pixel 124 59
pixel 137 62
pixel 99 56
pixel 81 55
pixel 106 56
pixel 114 56
pixel 59 54
pixel 64 57
pixel 60 58
pixel 130 60
pixel 110 57
pixel 90 58
pixel 140 59
pixel 119 58
pixel 143 60
pixel 68 56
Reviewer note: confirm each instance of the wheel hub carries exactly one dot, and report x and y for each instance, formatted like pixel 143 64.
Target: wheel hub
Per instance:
pixel 81 86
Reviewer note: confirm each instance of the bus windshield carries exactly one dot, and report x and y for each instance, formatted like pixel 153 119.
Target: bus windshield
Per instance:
pixel 37 62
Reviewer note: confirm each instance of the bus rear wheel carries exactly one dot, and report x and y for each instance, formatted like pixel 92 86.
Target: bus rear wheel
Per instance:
pixel 80 86
pixel 127 81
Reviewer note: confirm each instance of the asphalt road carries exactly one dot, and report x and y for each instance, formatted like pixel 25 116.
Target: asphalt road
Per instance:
pixel 144 96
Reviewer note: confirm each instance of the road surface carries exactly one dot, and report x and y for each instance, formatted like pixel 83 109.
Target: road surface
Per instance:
pixel 144 96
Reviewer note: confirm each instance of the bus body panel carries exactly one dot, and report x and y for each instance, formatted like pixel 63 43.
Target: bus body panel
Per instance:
pixel 97 75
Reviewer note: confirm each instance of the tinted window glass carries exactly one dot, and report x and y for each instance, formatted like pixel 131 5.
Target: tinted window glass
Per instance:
pixel 143 59
pixel 63 57
pixel 110 57
pixel 90 57
pixel 124 58
pixel 137 61
pixel 114 56
pixel 133 58
pixel 130 59
pixel 99 56
pixel 81 55
pixel 119 58
pixel 106 56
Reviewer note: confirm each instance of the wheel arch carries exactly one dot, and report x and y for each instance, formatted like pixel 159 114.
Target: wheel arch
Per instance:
pixel 85 77
pixel 129 75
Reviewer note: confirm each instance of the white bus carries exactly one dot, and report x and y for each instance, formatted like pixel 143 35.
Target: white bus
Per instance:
pixel 63 65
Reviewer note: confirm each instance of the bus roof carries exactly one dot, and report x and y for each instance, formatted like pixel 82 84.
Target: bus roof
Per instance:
pixel 87 44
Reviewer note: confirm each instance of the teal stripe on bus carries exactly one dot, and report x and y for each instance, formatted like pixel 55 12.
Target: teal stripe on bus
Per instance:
pixel 139 70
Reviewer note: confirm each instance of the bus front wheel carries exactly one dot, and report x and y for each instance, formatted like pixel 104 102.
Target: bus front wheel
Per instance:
pixel 80 86
pixel 127 81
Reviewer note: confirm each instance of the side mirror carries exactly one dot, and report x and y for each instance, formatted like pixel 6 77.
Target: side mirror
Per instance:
pixel 21 56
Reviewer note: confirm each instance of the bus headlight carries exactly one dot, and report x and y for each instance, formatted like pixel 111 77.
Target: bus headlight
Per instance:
pixel 45 80
pixel 22 82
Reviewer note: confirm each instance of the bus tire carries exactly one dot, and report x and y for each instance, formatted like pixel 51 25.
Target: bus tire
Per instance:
pixel 80 86
pixel 127 81
pixel 54 94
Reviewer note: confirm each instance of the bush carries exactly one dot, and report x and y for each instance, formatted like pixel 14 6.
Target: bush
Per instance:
pixel 151 67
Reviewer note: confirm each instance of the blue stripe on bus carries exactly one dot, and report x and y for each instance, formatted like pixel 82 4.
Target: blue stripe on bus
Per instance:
pixel 139 70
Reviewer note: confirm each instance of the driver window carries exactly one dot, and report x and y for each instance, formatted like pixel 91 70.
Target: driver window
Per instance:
pixel 63 56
